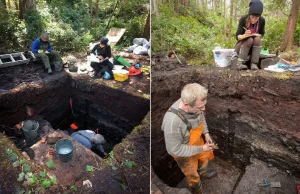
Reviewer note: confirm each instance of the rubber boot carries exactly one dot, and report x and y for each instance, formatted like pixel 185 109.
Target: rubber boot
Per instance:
pixel 209 174
pixel 49 70
pixel 242 58
pixel 255 57
pixel 198 189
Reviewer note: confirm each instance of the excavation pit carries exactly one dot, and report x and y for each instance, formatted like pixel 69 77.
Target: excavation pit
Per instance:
pixel 96 103
pixel 251 115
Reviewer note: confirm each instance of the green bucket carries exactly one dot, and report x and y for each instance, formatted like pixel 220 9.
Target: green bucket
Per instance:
pixel 122 61
pixel 29 128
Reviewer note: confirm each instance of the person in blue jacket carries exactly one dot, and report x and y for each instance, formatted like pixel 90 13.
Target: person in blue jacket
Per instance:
pixel 90 140
pixel 42 49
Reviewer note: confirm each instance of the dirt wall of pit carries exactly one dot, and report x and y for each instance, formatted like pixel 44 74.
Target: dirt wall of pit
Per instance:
pixel 116 111
pixel 248 114
pixel 47 98
pixel 113 108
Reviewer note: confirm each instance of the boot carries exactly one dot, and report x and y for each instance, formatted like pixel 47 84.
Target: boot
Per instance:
pixel 242 58
pixel 255 57
pixel 49 70
pixel 198 189
pixel 209 174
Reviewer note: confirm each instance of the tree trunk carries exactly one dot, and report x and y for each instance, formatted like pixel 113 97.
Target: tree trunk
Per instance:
pixel 91 12
pixel 154 8
pixel 16 4
pixel 96 12
pixel 290 27
pixel 225 19
pixel 29 4
pixel 21 9
pixel 4 3
pixel 146 33
pixel 231 18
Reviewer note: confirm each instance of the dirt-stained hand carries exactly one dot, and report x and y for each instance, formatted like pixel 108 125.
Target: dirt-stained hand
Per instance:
pixel 208 147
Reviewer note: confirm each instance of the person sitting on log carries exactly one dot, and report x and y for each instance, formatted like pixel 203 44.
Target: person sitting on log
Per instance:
pixel 42 49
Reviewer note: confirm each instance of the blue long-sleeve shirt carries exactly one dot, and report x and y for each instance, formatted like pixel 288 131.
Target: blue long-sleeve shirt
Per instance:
pixel 39 44
pixel 86 139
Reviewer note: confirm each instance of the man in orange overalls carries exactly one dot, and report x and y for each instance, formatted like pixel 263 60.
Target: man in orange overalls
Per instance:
pixel 183 126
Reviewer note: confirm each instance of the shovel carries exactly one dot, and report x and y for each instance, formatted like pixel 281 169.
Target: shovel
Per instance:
pixel 71 105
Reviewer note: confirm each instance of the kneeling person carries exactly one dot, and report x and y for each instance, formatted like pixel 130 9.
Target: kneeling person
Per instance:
pixel 90 140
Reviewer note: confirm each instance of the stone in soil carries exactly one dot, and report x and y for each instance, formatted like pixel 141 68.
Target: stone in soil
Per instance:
pixel 257 171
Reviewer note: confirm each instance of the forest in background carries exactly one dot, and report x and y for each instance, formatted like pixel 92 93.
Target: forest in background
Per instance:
pixel 195 27
pixel 72 24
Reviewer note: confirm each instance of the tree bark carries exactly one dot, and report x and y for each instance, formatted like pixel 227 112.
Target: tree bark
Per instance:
pixel 21 9
pixel 146 33
pixel 16 4
pixel 96 11
pixel 290 27
pixel 29 4
pixel 225 19
pixel 4 3
pixel 91 12
pixel 231 18
pixel 154 8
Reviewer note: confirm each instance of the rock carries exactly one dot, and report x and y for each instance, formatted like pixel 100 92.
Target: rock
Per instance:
pixel 233 109
pixel 71 59
pixel 268 61
pixel 73 68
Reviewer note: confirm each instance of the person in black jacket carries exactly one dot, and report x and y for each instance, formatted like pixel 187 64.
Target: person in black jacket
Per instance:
pixel 250 30
pixel 103 53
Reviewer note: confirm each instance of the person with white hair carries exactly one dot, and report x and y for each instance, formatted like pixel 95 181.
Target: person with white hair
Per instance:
pixel 183 126
pixel 90 140
pixel 43 50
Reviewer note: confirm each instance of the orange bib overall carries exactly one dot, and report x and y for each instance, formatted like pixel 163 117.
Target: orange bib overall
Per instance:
pixel 191 165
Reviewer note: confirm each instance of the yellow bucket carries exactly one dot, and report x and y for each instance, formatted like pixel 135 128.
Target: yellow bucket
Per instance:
pixel 120 75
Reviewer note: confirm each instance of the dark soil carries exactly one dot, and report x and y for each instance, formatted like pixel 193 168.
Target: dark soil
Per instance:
pixel 248 114
pixel 117 106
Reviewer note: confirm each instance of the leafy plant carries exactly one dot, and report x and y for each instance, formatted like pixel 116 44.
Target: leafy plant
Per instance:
pixel 111 154
pixel 129 164
pixel 74 188
pixel 13 157
pixel 53 179
pixel 89 168
pixel 114 168
pixel 21 176
pixel 43 174
pixel 46 183
pixel 26 168
pixel 23 161
pixel 50 164
pixel 9 151
pixel 16 164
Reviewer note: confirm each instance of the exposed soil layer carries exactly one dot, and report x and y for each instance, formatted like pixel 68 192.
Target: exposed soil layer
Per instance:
pixel 249 114
pixel 113 107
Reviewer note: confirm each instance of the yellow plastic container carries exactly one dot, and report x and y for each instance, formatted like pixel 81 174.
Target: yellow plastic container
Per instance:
pixel 120 75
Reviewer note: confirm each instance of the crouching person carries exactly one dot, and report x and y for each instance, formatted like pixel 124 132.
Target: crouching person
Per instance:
pixel 103 53
pixel 90 140
pixel 42 49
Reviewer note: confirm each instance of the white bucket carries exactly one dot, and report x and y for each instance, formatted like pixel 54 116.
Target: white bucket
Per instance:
pixel 222 57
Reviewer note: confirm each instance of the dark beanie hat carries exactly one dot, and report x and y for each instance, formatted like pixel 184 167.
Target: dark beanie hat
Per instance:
pixel 104 41
pixel 256 7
